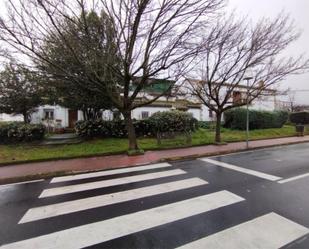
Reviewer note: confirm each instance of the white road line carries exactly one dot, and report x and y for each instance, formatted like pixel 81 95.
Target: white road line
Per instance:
pixel 102 231
pixel 104 200
pixel 20 183
pixel 109 172
pixel 268 231
pixel 108 183
pixel 242 170
pixel 294 178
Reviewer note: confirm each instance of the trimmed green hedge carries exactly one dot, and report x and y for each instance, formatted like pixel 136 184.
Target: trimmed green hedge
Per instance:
pixel 299 118
pixel 171 121
pixel 13 132
pixel 116 128
pixel 236 119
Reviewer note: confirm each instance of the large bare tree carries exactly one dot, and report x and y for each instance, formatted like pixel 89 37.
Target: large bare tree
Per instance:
pixel 235 49
pixel 153 39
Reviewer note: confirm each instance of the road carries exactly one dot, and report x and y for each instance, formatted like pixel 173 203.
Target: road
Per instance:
pixel 256 199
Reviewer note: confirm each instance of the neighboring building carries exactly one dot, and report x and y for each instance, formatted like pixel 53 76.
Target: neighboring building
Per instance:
pixel 266 101
pixel 57 116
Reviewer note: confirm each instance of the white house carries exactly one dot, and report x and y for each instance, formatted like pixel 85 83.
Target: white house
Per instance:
pixel 61 117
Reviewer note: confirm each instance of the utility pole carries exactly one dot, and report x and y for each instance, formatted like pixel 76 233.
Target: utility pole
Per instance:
pixel 247 120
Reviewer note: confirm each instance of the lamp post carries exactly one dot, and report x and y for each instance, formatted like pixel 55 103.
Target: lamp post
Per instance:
pixel 247 120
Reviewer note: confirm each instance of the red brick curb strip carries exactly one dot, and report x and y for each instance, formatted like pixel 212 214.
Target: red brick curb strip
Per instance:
pixel 41 170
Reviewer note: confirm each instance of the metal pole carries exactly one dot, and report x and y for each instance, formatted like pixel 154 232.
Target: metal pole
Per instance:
pixel 247 125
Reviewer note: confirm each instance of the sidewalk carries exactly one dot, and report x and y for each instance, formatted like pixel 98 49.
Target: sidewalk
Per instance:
pixel 30 171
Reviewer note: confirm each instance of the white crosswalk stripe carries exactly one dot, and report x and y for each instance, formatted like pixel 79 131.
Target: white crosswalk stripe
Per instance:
pixel 110 172
pixel 104 200
pixel 242 170
pixel 102 231
pixel 108 183
pixel 270 231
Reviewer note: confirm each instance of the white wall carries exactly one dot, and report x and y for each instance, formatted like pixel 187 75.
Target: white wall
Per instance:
pixel 9 118
pixel 265 103
pixel 60 113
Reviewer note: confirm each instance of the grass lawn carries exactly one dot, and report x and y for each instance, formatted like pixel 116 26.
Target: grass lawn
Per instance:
pixel 15 153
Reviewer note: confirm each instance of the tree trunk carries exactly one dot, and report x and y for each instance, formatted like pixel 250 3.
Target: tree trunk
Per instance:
pixel 26 118
pixel 131 131
pixel 218 127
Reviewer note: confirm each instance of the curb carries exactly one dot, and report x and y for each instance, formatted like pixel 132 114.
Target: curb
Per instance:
pixel 167 159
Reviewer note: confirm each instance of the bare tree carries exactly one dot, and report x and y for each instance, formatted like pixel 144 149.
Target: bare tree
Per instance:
pixel 291 100
pixel 154 39
pixel 232 49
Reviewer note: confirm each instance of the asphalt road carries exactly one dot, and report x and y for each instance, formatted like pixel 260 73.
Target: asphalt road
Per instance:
pixel 255 199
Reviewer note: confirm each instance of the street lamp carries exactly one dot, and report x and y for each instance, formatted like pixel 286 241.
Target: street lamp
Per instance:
pixel 248 78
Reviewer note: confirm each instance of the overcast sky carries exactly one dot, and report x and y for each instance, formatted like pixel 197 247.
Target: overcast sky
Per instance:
pixel 299 11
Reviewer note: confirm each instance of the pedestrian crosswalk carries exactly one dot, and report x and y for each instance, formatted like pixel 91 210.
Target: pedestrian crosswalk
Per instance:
pixel 108 183
pixel 61 198
pixel 103 200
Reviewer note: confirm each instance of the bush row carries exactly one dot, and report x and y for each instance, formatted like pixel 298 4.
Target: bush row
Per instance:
pixel 116 128
pixel 173 121
pixel 207 124
pixel 169 121
pixel 299 118
pixel 13 132
pixel 237 118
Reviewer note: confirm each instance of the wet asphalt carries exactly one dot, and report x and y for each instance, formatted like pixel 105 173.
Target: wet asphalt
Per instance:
pixel 290 200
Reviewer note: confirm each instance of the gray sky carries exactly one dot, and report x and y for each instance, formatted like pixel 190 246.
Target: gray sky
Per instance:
pixel 298 10
pixel 256 9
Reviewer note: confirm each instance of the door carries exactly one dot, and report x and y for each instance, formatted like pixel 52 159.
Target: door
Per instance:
pixel 72 118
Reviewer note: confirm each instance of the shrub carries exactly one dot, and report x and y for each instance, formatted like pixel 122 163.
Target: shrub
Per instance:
pixel 299 118
pixel 237 118
pixel 115 128
pixel 170 121
pixel 13 132
pixel 173 121
pixel 207 124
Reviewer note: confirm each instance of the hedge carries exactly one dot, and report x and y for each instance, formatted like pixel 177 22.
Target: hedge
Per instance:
pixel 207 124
pixel 13 132
pixel 299 118
pixel 173 121
pixel 170 121
pixel 237 118
pixel 115 128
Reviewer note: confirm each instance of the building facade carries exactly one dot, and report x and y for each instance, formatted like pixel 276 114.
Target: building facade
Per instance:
pixel 60 117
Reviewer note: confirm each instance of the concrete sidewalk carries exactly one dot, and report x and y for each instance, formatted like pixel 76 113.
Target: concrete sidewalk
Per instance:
pixel 30 171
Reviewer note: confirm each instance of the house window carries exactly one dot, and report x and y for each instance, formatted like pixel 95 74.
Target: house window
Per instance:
pixel 145 115
pixel 210 113
pixel 48 114
pixel 237 98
